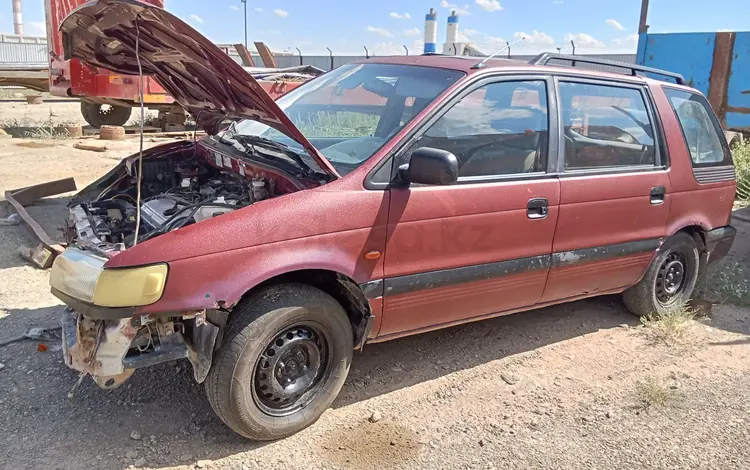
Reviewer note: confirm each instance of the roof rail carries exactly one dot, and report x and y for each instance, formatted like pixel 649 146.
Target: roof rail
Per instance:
pixel 544 58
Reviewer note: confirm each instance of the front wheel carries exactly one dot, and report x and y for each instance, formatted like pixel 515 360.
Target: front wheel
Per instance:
pixel 670 279
pixel 284 358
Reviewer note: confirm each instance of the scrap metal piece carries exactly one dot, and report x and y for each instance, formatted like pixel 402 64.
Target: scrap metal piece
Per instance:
pixel 19 198
pixel 200 344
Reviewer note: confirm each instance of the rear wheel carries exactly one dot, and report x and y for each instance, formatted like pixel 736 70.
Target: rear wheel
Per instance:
pixel 284 358
pixel 670 279
pixel 98 115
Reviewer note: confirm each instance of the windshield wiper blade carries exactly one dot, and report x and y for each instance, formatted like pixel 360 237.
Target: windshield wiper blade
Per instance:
pixel 269 144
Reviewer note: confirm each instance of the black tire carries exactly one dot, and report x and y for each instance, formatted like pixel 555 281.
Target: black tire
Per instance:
pixel 286 317
pixel 653 294
pixel 97 116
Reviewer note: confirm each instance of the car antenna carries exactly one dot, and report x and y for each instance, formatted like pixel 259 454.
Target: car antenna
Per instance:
pixel 140 153
pixel 482 64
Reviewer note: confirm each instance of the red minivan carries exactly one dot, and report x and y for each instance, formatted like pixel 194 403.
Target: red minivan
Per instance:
pixel 388 197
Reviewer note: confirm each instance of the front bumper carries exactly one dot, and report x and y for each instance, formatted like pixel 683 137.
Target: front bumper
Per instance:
pixel 719 242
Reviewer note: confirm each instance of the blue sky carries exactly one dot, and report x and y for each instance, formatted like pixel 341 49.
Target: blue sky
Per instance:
pixel 384 26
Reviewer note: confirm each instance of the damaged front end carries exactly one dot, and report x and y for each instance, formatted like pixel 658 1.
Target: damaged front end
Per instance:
pixel 111 350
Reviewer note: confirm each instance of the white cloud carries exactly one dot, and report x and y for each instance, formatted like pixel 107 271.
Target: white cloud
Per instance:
pixel 557 2
pixel 489 5
pixel 584 41
pixel 281 13
pixel 234 7
pixel 387 48
pixel 461 11
pixel 470 32
pixel 400 16
pixel 536 39
pixel 381 31
pixel 412 32
pixel 629 41
pixel 258 9
pixel 36 28
pixel 196 18
pixel 615 24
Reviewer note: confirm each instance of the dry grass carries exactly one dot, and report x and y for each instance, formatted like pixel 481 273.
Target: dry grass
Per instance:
pixel 672 328
pixel 652 392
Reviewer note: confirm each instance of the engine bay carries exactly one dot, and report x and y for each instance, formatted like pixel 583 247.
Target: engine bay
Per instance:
pixel 175 192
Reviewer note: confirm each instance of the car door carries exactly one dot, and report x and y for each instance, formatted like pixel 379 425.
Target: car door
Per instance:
pixel 614 188
pixel 482 245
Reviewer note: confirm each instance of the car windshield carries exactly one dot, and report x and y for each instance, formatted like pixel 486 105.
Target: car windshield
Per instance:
pixel 349 113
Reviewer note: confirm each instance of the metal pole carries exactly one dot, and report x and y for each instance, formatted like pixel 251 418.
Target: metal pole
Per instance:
pixel 508 44
pixel 245 2
pixel 367 53
pixel 330 53
pixel 406 49
pixel 643 26
pixel 300 55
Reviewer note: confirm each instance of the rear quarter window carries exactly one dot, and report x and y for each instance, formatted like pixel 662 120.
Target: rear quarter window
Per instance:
pixel 700 128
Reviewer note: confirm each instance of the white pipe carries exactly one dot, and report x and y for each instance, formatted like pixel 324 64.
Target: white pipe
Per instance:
pixel 430 32
pixel 17 19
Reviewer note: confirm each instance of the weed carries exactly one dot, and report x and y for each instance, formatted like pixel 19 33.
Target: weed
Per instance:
pixel 741 158
pixel 652 392
pixel 151 120
pixel 671 328
pixel 57 132
pixel 726 283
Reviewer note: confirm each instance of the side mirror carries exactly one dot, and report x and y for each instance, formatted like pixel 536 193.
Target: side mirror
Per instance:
pixel 430 166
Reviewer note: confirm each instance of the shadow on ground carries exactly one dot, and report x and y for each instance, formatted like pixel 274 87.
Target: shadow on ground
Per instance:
pixel 164 400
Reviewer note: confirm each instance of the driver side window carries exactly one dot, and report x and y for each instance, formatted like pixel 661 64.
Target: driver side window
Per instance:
pixel 497 129
pixel 605 126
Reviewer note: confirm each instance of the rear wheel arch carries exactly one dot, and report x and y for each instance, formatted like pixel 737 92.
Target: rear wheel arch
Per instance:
pixel 339 286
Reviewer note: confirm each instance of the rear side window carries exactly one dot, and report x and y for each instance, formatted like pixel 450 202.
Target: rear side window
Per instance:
pixel 702 132
pixel 605 126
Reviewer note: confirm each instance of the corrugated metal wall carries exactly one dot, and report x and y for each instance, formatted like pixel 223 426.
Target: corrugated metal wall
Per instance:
pixel 15 52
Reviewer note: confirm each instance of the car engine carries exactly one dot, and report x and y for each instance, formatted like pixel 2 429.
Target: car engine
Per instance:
pixel 173 195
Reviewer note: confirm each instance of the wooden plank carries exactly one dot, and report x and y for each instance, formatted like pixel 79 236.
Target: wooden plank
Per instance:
pixel 24 196
pixel 265 55
pixel 247 59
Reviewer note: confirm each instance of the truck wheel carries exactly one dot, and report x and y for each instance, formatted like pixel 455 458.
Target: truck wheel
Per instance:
pixel 284 357
pixel 98 115
pixel 670 279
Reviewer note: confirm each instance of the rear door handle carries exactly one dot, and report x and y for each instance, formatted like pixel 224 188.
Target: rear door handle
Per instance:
pixel 537 208
pixel 657 195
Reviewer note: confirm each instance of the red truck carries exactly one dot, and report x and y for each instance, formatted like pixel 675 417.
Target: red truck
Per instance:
pixel 270 250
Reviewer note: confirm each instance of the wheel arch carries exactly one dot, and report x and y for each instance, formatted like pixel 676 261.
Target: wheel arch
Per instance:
pixel 339 286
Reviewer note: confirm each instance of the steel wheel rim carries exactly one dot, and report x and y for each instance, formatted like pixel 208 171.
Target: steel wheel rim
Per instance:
pixel 671 278
pixel 290 370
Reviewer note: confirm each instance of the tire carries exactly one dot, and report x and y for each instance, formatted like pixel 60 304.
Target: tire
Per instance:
pixel 97 117
pixel 652 294
pixel 287 318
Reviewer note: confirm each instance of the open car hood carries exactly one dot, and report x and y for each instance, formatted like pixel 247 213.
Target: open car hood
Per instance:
pixel 201 77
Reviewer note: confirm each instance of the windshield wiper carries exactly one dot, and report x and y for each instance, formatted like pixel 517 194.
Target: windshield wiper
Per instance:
pixel 268 144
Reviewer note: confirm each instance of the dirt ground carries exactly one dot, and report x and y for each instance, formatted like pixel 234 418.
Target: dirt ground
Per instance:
pixel 570 387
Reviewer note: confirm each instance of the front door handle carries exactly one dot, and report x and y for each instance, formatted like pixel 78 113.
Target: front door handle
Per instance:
pixel 657 195
pixel 537 208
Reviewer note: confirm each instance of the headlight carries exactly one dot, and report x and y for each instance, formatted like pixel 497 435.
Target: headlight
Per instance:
pixel 130 287
pixel 75 273
pixel 81 275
